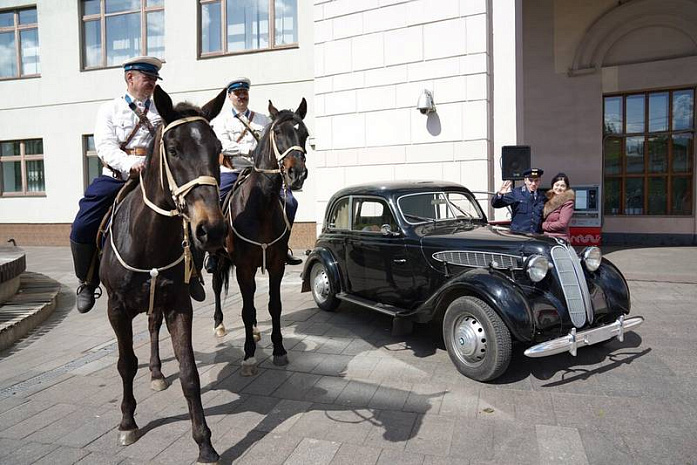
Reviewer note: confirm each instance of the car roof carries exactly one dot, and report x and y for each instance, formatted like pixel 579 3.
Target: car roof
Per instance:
pixel 397 188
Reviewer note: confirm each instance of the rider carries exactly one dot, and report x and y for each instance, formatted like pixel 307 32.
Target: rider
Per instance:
pixel 239 131
pixel 125 127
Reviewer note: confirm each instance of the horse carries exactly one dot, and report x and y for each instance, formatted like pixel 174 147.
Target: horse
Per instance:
pixel 147 258
pixel 259 227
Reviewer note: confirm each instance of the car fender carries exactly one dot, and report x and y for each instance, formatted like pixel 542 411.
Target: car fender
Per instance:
pixel 609 278
pixel 494 288
pixel 324 256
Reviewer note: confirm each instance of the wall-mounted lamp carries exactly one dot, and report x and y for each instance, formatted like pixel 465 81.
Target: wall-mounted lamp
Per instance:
pixel 425 103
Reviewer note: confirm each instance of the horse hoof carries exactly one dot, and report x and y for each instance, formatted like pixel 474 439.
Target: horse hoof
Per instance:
pixel 280 360
pixel 220 330
pixel 159 384
pixel 198 462
pixel 249 367
pixel 126 438
pixel 256 334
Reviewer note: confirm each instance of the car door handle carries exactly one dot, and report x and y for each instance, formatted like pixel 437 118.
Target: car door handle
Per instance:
pixel 400 260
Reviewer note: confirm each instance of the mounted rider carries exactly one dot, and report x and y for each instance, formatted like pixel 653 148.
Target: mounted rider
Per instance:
pixel 239 131
pixel 124 130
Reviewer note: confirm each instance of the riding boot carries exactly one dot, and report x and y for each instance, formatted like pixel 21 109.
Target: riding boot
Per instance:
pixel 86 266
pixel 291 259
pixel 196 288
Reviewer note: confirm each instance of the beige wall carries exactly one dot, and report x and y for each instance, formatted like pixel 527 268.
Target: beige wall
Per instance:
pixel 562 109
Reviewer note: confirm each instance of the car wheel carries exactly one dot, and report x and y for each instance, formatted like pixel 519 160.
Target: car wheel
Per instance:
pixel 477 340
pixel 322 292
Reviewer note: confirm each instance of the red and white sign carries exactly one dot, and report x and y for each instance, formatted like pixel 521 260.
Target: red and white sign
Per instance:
pixel 585 236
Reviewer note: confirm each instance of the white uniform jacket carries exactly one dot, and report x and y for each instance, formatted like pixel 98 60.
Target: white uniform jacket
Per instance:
pixel 229 128
pixel 115 122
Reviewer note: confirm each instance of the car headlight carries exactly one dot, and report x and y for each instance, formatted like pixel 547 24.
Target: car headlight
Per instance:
pixel 537 268
pixel 592 257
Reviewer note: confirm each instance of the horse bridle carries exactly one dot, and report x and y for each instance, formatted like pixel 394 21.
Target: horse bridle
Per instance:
pixel 178 194
pixel 279 158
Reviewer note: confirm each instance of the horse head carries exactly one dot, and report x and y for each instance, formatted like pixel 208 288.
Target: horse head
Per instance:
pixel 288 135
pixel 185 165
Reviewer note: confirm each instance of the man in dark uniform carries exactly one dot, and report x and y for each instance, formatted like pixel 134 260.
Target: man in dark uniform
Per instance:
pixel 526 202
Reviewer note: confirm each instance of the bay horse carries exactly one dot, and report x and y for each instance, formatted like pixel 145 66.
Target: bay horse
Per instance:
pixel 147 261
pixel 259 227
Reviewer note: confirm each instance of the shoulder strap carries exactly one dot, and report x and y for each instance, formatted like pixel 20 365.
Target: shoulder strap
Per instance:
pixel 247 127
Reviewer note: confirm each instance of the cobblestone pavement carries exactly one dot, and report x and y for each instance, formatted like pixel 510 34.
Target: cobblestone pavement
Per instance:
pixel 353 394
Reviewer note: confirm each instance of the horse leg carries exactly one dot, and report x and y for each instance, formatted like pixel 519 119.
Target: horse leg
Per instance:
pixel 157 379
pixel 280 356
pixel 127 366
pixel 245 279
pixel 179 325
pixel 219 330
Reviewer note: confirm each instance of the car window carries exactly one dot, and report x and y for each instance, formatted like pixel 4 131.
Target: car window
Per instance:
pixel 430 206
pixel 339 217
pixel 370 214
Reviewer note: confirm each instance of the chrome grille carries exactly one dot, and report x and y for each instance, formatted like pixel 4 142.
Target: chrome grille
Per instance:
pixel 479 259
pixel 573 284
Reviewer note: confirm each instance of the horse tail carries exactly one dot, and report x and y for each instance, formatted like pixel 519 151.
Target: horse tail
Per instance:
pixel 224 268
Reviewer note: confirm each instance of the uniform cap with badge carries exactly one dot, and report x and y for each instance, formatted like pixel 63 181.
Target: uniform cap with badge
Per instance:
pixel 146 65
pixel 533 173
pixel 241 83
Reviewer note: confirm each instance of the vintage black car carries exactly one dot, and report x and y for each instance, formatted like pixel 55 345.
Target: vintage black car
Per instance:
pixel 424 251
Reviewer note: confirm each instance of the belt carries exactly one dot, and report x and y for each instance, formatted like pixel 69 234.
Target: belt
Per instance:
pixel 139 151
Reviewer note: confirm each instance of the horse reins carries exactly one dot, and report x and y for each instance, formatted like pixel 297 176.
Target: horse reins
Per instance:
pixel 178 194
pixel 279 158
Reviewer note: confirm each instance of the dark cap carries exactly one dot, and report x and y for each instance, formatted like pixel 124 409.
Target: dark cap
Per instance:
pixel 533 173
pixel 146 65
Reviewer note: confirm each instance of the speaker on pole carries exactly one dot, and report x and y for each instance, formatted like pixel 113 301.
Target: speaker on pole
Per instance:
pixel 515 160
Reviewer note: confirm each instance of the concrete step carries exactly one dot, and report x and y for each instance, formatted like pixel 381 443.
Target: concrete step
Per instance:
pixel 29 307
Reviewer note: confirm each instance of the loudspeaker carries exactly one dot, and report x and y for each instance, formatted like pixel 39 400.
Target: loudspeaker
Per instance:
pixel 515 160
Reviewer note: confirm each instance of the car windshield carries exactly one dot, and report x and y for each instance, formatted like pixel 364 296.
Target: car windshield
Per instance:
pixel 439 206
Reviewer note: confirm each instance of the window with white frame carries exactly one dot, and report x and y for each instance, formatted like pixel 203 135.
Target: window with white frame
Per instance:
pixel 19 43
pixel 115 30
pixel 92 163
pixel 236 26
pixel 22 168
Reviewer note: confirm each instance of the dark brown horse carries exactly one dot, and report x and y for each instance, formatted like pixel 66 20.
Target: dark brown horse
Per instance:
pixel 147 260
pixel 259 228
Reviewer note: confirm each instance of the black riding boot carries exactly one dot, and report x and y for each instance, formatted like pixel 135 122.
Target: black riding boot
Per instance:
pixel 291 259
pixel 86 266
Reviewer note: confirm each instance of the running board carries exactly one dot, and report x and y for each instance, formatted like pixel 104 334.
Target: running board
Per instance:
pixel 378 307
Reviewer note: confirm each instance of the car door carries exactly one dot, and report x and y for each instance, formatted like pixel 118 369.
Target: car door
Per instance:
pixel 376 263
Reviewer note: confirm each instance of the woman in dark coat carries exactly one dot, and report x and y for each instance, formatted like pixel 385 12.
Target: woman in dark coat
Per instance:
pixel 559 208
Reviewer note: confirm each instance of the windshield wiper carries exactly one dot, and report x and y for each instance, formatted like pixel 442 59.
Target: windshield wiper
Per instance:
pixel 420 218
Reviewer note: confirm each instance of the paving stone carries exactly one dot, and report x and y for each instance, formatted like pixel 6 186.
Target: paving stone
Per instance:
pixel 390 396
pixel 390 457
pixel 350 426
pixel 266 382
pixel 602 448
pixel 326 389
pixel 7 446
pixel 352 454
pixel 560 445
pixel 21 413
pixel 296 386
pixel 433 435
pixel 333 365
pixel 495 404
pixel 424 398
pixel 38 421
pixel 94 458
pixel 315 423
pixel 356 394
pixel 249 413
pixel 283 416
pixel 29 453
pixel 62 456
pixel 392 430
pixel 272 449
pixel 533 408
pixel 460 402
pixel 234 444
pixel 313 451
pixel 472 439
pixel 664 449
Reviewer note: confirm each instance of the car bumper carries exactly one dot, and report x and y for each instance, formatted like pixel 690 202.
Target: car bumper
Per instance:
pixel 572 341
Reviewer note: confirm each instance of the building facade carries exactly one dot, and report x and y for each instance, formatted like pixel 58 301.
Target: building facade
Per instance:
pixel 602 90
